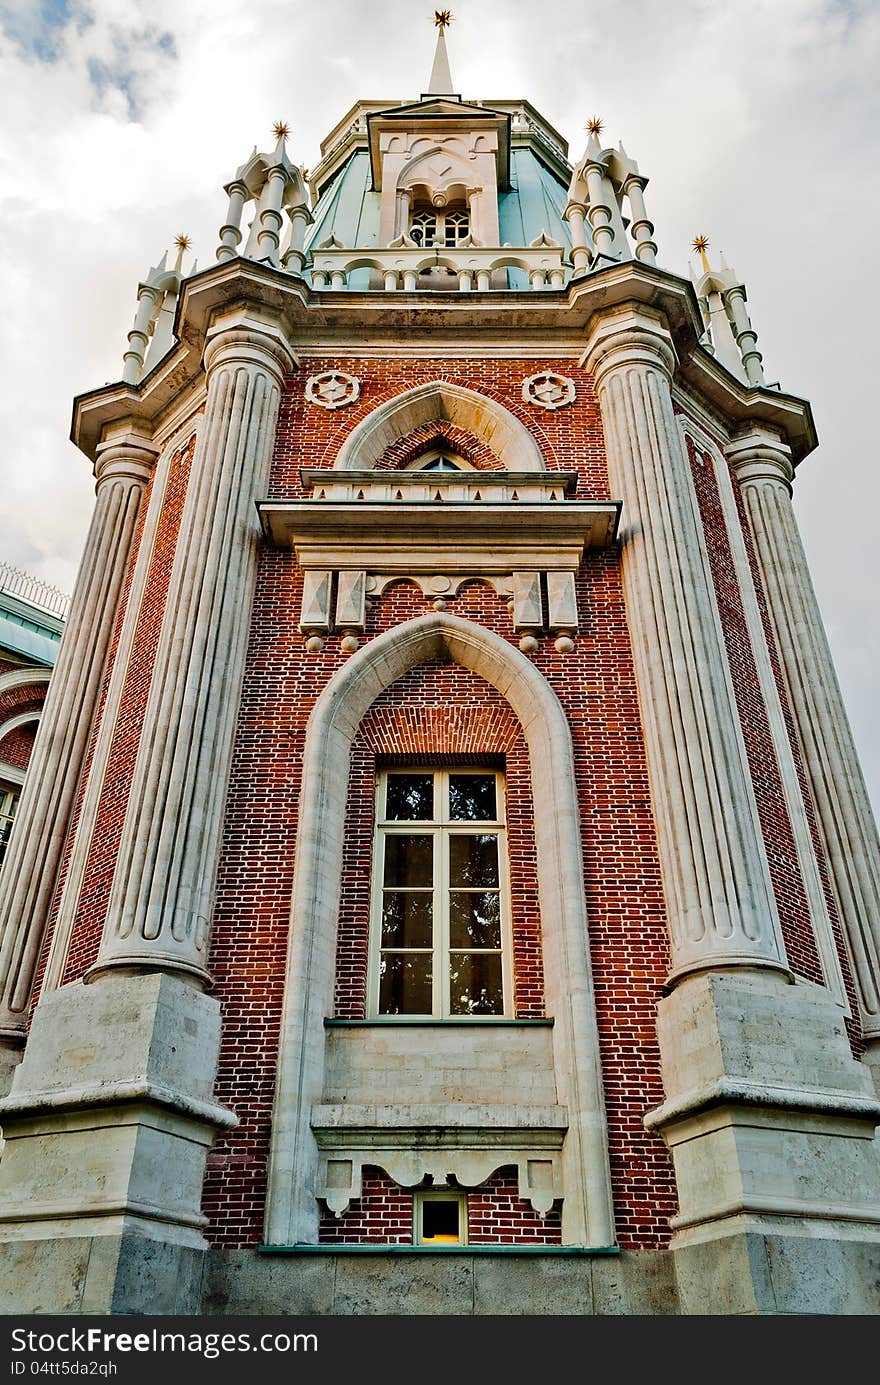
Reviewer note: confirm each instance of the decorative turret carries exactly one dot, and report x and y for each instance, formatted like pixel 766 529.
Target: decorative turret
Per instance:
pixel 730 335
pixel 279 192
pixel 151 336
pixel 600 182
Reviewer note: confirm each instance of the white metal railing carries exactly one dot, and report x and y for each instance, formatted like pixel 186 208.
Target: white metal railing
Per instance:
pixel 16 582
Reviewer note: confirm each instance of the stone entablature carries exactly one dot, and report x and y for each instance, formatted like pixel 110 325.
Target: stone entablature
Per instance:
pixel 438 530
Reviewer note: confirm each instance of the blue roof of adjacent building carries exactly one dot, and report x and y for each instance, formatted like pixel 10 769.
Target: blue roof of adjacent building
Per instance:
pixel 27 632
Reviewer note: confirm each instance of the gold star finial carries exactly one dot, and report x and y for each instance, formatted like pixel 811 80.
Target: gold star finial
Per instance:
pixel 183 242
pixel 442 19
pixel 701 245
pixel 280 129
pixel 595 126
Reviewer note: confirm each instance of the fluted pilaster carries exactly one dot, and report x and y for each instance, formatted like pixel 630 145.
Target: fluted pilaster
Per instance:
pixel 30 870
pixel 763 468
pixel 716 878
pixel 162 889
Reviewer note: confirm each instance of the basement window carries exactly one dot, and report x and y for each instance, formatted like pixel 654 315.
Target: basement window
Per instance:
pixel 440 1219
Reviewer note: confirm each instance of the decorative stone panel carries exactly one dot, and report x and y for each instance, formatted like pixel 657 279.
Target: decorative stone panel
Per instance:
pixel 548 391
pixel 332 389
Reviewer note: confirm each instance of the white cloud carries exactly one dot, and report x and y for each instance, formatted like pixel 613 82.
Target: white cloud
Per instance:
pixel 756 122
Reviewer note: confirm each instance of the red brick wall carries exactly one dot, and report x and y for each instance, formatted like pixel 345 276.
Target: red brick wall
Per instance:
pixel 383 1214
pixel 309 436
pixel 497 1215
pixel 17 745
pixel 596 686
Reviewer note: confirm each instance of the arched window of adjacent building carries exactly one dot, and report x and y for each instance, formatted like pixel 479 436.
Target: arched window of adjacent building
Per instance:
pixel 441 935
pixel 8 803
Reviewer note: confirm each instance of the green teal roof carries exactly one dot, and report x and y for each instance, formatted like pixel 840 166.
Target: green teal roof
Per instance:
pixel 534 204
pixel 348 210
pixel 19 635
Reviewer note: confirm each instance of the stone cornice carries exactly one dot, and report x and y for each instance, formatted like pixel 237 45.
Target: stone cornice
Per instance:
pixel 337 320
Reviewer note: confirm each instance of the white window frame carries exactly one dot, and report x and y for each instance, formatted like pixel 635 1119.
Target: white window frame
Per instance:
pixel 439 215
pixel 440 827
pixel 438 1195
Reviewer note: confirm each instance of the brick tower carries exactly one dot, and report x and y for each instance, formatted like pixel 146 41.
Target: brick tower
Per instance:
pixel 445 882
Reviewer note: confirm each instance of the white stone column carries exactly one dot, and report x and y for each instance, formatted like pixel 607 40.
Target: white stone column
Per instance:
pixel 641 230
pixel 162 890
pixel 230 231
pixel 719 896
pixel 576 216
pixel 30 870
pixel 139 336
pixel 762 465
pixel 746 336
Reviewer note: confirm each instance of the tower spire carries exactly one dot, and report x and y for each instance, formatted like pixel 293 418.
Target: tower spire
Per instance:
pixel 440 83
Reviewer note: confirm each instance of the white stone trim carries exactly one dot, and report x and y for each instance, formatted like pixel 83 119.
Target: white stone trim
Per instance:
pixel 14 722
pixel 11 774
pixel 292 1212
pixel 820 920
pixel 479 414
pixel 24 678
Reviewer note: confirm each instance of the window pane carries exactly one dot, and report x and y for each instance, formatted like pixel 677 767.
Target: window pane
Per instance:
pixel 472 797
pixel 474 919
pixel 475 983
pixel 409 797
pixel 473 861
pixel 440 1219
pixel 407 919
pixel 405 983
pixel 409 860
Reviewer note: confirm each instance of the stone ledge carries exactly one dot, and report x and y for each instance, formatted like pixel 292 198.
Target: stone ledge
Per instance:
pixel 32 1104
pixel 831 1102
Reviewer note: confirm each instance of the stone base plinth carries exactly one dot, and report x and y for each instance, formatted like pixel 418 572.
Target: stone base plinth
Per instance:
pixel 107 1127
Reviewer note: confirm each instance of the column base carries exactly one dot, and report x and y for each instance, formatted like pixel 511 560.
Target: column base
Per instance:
pixel 770 1122
pixel 871 1061
pixel 107 1128
pixel 749 1268
pixel 11 1050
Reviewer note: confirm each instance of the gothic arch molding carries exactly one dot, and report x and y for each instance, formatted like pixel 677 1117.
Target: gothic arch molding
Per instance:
pixel 435 401
pixel 291 1212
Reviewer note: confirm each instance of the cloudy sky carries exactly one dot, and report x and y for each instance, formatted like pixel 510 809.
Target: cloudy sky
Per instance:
pixel 756 120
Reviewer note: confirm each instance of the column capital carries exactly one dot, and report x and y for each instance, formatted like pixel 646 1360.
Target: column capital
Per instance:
pixel 759 454
pixel 628 336
pixel 131 457
pixel 248 340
